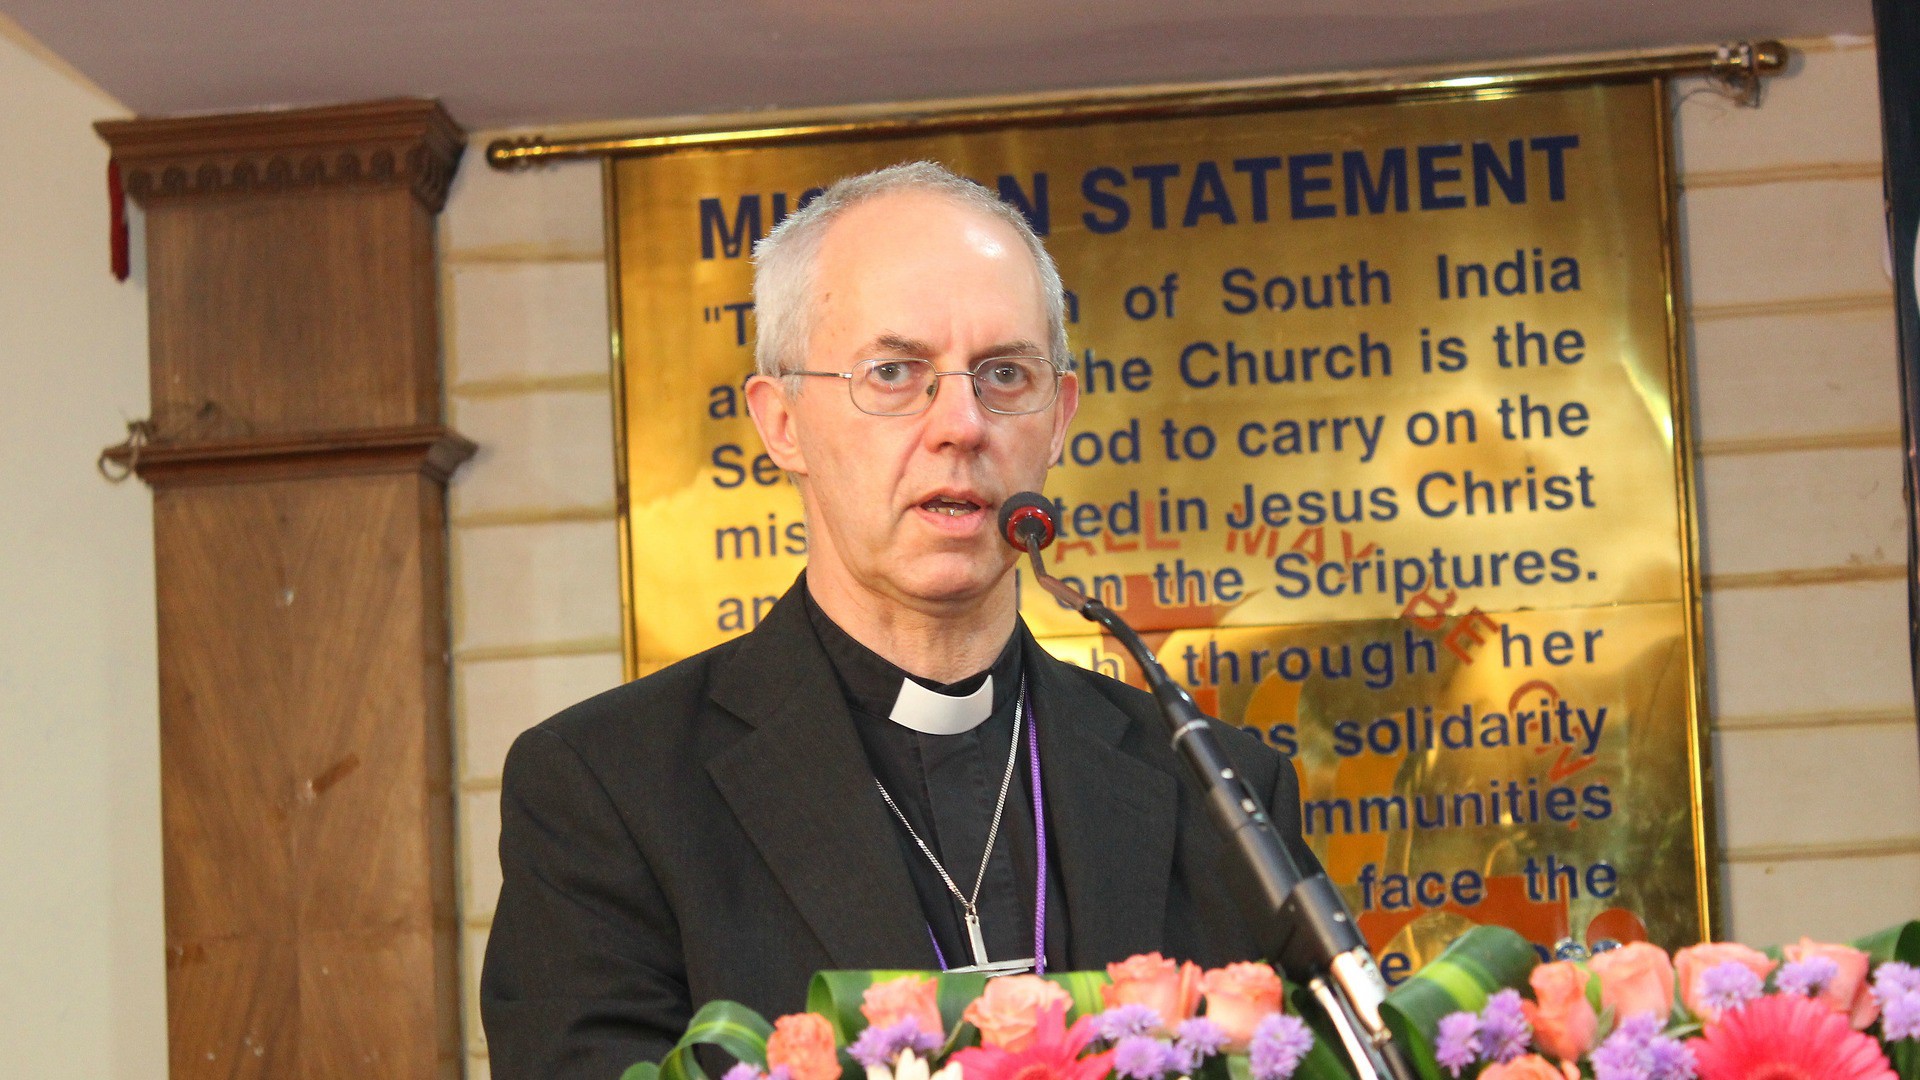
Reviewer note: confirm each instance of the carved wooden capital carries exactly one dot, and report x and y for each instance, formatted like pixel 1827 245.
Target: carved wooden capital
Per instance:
pixel 409 143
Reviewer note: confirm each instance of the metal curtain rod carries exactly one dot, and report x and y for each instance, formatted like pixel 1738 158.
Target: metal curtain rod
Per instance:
pixel 1737 68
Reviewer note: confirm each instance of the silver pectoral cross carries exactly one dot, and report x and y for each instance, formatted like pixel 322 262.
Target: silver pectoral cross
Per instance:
pixel 978 943
pixel 974 937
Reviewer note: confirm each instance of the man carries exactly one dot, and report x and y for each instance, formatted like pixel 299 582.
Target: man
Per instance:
pixel 888 772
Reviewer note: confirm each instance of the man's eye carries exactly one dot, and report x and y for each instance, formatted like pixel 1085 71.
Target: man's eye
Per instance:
pixel 890 374
pixel 1006 374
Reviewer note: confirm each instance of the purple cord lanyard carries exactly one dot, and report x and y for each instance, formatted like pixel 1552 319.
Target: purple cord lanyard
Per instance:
pixel 1039 849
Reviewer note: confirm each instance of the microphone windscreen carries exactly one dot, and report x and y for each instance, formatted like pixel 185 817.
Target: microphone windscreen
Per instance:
pixel 1029 512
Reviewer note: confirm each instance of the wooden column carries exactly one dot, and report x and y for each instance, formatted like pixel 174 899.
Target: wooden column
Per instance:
pixel 298 467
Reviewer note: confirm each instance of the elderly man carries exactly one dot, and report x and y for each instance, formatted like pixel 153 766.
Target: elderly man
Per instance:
pixel 888 772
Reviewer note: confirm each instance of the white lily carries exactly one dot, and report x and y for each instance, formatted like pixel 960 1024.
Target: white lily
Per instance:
pixel 910 1066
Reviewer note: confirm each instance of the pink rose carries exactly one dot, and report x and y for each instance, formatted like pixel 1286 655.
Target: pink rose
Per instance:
pixel 1848 994
pixel 1696 960
pixel 1530 1067
pixel 908 997
pixel 1239 996
pixel 1007 1012
pixel 1564 1023
pixel 803 1043
pixel 1635 979
pixel 1170 989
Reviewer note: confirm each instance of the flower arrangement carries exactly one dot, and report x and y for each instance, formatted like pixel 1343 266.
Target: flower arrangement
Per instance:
pixel 1486 1009
pixel 1147 1018
pixel 1718 1011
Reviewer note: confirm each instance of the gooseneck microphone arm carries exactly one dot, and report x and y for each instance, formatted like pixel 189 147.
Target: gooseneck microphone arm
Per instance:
pixel 1300 921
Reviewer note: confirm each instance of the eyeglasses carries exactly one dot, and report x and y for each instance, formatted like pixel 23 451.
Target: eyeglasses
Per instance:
pixel 897 386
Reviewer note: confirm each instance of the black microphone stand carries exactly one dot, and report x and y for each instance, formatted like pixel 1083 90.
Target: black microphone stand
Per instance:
pixel 1301 922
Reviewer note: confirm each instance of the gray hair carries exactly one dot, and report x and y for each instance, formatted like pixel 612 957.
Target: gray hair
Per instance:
pixel 783 278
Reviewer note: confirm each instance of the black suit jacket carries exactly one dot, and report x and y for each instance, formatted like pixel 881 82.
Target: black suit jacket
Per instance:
pixel 713 831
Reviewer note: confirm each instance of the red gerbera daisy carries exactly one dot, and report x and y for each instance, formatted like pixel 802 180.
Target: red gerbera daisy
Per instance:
pixel 1787 1037
pixel 1054 1053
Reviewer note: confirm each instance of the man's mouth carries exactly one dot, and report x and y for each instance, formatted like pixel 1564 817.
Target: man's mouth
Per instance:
pixel 950 505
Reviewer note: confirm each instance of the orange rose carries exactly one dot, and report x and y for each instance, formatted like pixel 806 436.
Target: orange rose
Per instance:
pixel 908 997
pixel 803 1043
pixel 1564 1023
pixel 1696 960
pixel 1239 996
pixel 1635 979
pixel 1848 994
pixel 1170 989
pixel 1531 1067
pixel 1007 1012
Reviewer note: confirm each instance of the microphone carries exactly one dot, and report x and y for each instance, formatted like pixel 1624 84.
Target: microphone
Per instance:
pixel 1027 516
pixel 1300 920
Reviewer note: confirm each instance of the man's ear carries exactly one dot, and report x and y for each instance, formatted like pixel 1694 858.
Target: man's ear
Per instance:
pixel 1068 404
pixel 773 415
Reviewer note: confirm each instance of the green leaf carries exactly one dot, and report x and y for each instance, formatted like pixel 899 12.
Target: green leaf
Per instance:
pixel 1480 962
pixel 645 1070
pixel 1905 1056
pixel 1900 943
pixel 837 995
pixel 1085 988
pixel 729 1025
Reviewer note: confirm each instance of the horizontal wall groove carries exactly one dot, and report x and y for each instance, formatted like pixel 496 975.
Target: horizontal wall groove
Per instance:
pixel 523 253
pixel 1818 575
pixel 1787 444
pixel 1871 849
pixel 1806 305
pixel 479 785
pixel 1782 174
pixel 575 647
pixel 590 382
pixel 535 515
pixel 1816 721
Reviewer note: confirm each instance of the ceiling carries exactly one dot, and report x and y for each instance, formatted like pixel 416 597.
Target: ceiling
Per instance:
pixel 501 63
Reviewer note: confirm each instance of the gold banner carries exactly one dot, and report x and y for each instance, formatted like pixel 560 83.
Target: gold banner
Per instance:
pixel 1378 443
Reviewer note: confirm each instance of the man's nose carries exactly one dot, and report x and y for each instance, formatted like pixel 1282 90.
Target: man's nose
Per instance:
pixel 956 415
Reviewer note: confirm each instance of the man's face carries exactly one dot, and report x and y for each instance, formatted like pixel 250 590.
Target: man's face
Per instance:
pixel 903 509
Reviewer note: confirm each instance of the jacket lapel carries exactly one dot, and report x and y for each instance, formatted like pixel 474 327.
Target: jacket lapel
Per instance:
pixel 800 786
pixel 1112 817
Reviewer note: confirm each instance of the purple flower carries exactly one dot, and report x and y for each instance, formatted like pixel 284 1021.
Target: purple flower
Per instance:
pixel 1728 986
pixel 1638 1051
pixel 1123 1020
pixel 1806 978
pixel 1624 1054
pixel 1672 1060
pixel 1504 1031
pixel 1896 987
pixel 1457 1041
pixel 881 1045
pixel 1279 1044
pixel 742 1071
pixel 1196 1040
pixel 779 1072
pixel 1142 1057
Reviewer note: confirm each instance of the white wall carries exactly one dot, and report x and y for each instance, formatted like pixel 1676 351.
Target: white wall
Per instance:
pixel 1796 412
pixel 1797 416
pixel 82 978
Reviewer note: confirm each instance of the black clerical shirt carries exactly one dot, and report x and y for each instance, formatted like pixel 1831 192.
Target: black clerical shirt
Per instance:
pixel 946 786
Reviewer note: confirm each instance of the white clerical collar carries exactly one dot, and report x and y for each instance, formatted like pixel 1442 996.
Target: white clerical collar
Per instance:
pixel 931 712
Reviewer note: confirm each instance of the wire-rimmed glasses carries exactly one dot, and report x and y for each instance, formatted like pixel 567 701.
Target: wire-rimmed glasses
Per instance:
pixel 905 386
